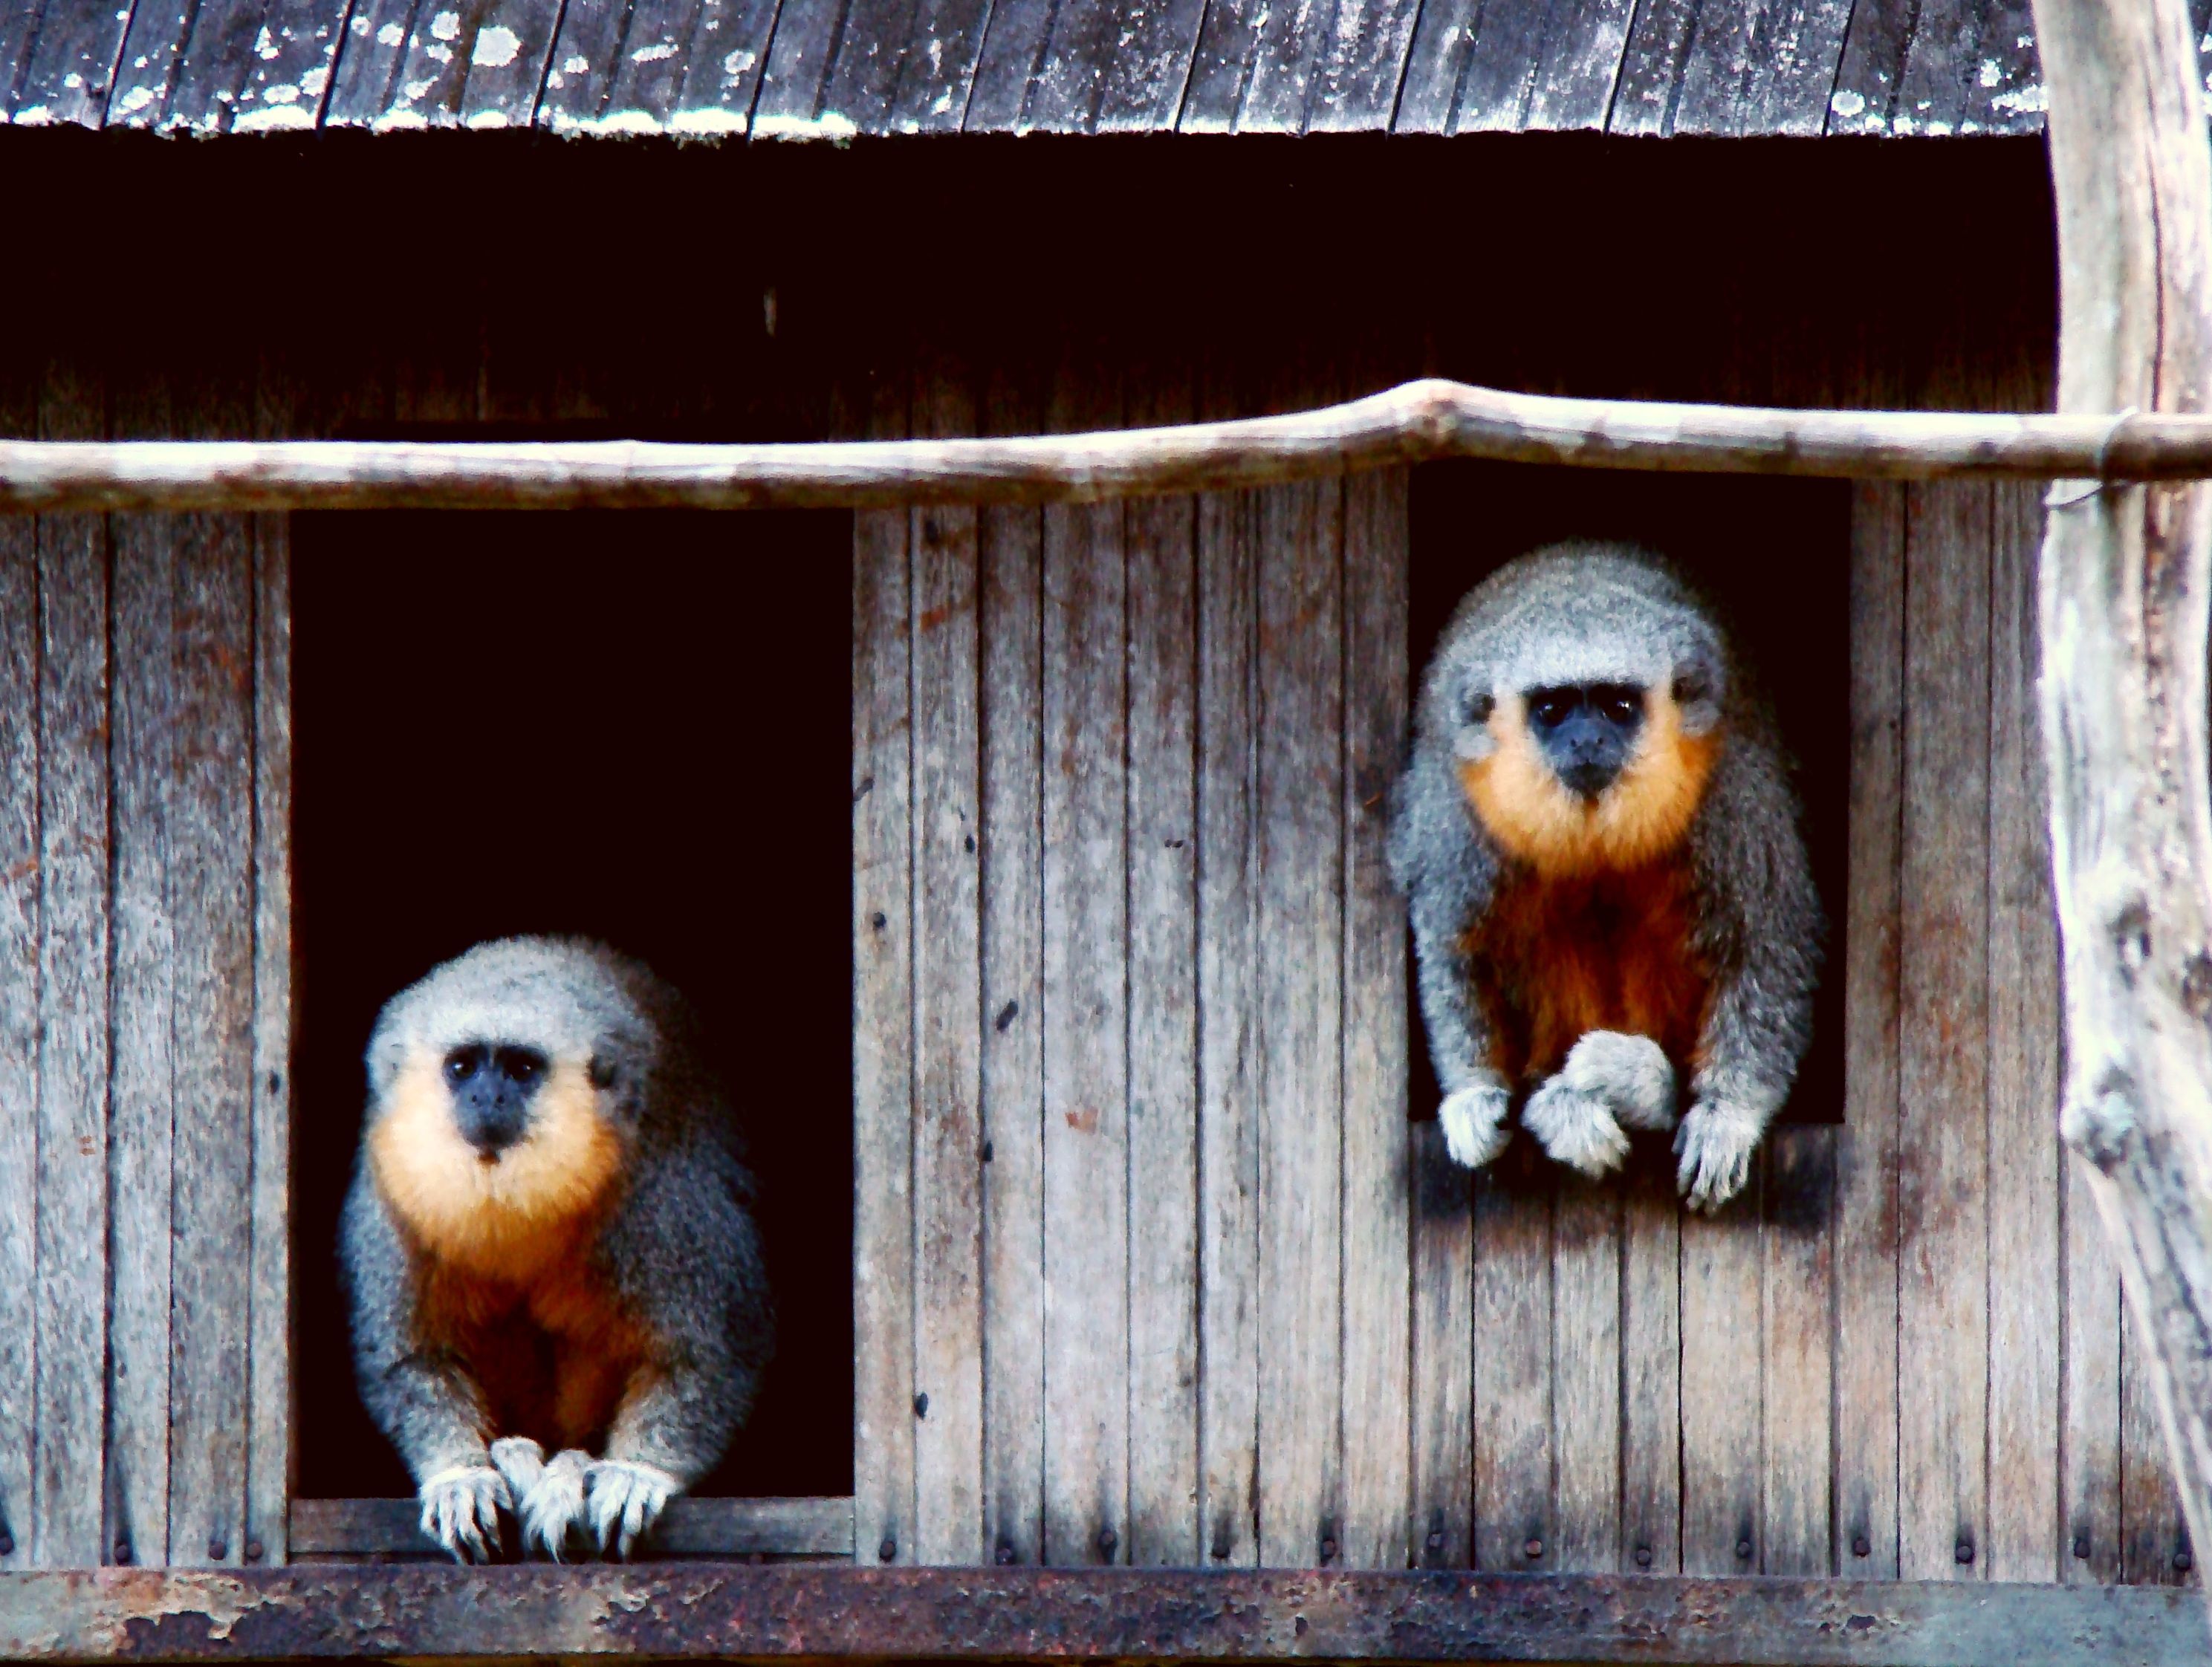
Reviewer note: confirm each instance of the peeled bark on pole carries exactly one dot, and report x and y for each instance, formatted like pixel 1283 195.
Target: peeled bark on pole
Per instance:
pixel 2126 572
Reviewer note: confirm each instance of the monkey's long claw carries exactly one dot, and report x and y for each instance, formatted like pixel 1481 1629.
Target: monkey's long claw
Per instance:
pixel 1575 1128
pixel 460 1511
pixel 553 1510
pixel 1716 1143
pixel 521 1462
pixel 1630 1073
pixel 627 1499
pixel 1472 1120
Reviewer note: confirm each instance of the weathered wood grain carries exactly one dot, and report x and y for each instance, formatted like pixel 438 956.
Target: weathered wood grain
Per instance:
pixel 2151 1529
pixel 141 1110
pixel 799 59
pixel 1084 716
pixel 882 1016
pixel 1300 812
pixel 1373 1531
pixel 19 994
pixel 1574 83
pixel 1796 1344
pixel 2089 1434
pixel 1723 1533
pixel 2026 1293
pixel 1435 59
pixel 269 1447
pixel 1766 67
pixel 1014 43
pixel 1163 1134
pixel 71 62
pixel 69 1340
pixel 1009 542
pixel 796 1611
pixel 1586 1377
pixel 1514 1525
pixel 689 1527
pixel 1942 1328
pixel 948 1142
pixel 1442 1249
pixel 1355 80
pixel 1108 68
pixel 1651 1369
pixel 1867 1387
pixel 1229 554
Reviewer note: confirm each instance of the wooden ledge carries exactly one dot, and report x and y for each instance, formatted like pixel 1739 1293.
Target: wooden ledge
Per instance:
pixel 707 1610
pixel 386 1529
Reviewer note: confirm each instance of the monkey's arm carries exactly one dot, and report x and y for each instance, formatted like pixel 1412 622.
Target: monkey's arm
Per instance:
pixel 1447 876
pixel 686 1253
pixel 425 1402
pixel 1760 931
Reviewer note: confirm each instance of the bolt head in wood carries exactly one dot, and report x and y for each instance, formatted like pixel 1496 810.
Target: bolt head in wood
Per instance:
pixel 1643 1556
pixel 879 920
pixel 2082 1547
pixel 921 1405
pixel 1963 1552
pixel 1532 1548
pixel 2183 1562
pixel 1862 1546
pixel 887 1550
pixel 254 1551
pixel 218 1547
pixel 123 1551
pixel 1004 1557
pixel 1108 1539
pixel 7 1544
pixel 1328 1551
pixel 1435 1541
pixel 1743 1549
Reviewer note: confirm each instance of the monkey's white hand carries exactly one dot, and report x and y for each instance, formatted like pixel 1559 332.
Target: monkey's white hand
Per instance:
pixel 552 1509
pixel 627 1499
pixel 1630 1073
pixel 1716 1143
pixel 1473 1122
pixel 1575 1127
pixel 460 1511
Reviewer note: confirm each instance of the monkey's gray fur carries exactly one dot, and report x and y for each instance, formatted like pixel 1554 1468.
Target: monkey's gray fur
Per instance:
pixel 607 1220
pixel 1594 615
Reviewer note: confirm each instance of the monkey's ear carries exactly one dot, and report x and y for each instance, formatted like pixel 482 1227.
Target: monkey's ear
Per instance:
pixel 602 1072
pixel 1697 695
pixel 1477 706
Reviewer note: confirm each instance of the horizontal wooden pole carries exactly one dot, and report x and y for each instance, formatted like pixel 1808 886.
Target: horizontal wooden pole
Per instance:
pixel 697 1610
pixel 691 1527
pixel 1415 423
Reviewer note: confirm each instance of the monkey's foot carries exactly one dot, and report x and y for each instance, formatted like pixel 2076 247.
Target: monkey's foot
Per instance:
pixel 1715 1143
pixel 1575 1127
pixel 1630 1073
pixel 520 1461
pixel 627 1499
pixel 1473 1122
pixel 460 1511
pixel 552 1511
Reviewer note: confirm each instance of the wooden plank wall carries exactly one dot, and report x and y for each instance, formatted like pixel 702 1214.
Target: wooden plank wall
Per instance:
pixel 144 1011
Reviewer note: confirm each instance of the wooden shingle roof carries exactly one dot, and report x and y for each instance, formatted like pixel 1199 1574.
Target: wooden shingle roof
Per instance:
pixel 836 69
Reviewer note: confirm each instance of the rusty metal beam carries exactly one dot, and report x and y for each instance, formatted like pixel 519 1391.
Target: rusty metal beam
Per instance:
pixel 704 1610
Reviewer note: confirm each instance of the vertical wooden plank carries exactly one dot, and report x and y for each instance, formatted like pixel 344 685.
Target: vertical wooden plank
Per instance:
pixel 1228 957
pixel 1943 1036
pixel 1586 1380
pixel 1013 1066
pixel 1652 1367
pixel 70 1335
pixel 2089 1434
pixel 1797 1243
pixel 948 1436
pixel 1443 1353
pixel 1374 1531
pixel 210 834
pixel 1163 1523
pixel 2025 1155
pixel 1722 1310
pixel 1513 1525
pixel 1866 1153
pixel 141 1129
pixel 269 1451
pixel 20 799
pixel 1301 841
pixel 883 1017
pixel 2152 1531
pixel 1086 1291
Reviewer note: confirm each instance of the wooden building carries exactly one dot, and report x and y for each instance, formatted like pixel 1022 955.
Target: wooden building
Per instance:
pixel 1132 1242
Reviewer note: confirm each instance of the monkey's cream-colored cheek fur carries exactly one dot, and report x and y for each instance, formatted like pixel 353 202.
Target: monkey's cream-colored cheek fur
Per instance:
pixel 1640 818
pixel 496 1218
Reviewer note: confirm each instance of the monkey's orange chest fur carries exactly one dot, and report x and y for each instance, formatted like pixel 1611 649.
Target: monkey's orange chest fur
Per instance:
pixel 1556 956
pixel 554 1354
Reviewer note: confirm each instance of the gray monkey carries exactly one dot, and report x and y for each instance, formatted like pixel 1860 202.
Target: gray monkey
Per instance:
pixel 1599 845
pixel 548 1238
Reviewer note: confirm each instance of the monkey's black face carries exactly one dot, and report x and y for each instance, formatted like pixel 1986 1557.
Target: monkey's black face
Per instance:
pixel 492 1089
pixel 1587 731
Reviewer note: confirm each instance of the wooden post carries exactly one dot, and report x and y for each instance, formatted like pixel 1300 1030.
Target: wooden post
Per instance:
pixel 2127 571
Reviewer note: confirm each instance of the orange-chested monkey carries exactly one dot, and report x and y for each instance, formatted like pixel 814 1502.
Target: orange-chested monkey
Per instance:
pixel 548 1240
pixel 1599 847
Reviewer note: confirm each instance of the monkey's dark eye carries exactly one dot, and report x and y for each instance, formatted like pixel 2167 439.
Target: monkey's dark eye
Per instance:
pixel 463 1063
pixel 520 1065
pixel 1551 707
pixel 1622 708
